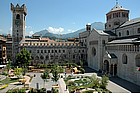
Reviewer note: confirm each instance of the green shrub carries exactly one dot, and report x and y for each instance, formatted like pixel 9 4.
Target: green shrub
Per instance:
pixel 5 73
pixel 55 90
pixel 42 90
pixel 33 90
pixel 69 83
pixel 82 70
pixel 104 82
pixel 88 91
pixel 3 86
pixel 17 90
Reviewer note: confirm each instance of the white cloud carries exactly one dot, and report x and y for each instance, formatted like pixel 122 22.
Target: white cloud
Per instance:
pixel 56 30
pixel 28 27
pixel 71 31
pixel 29 30
pixel 30 33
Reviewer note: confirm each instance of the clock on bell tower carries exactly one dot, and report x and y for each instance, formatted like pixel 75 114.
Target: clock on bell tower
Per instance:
pixel 18 27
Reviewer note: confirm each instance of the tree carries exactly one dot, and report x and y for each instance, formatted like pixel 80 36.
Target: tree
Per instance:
pixel 23 58
pixel 104 82
pixel 8 66
pixel 55 74
pixel 18 71
pixel 45 75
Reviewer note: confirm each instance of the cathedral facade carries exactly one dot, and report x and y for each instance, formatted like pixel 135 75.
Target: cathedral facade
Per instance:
pixel 116 50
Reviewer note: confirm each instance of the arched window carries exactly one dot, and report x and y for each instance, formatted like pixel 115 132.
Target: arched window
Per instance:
pixel 127 32
pixel 137 60
pixel 124 59
pixel 138 30
pixel 37 57
pixel 18 16
pixel 41 57
pixel 117 23
pixel 93 51
pixel 47 57
pixel 120 34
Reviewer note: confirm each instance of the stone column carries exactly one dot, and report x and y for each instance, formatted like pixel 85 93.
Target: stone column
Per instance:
pixel 113 69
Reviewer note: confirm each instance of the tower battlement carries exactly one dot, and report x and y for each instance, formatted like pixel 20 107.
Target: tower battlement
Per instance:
pixel 18 26
pixel 19 8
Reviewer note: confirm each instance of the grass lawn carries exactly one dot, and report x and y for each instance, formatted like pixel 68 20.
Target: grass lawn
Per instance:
pixel 8 81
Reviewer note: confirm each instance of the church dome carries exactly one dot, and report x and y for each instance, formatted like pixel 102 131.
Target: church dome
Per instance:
pixel 117 7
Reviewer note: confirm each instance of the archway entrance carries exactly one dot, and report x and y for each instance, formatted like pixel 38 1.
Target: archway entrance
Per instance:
pixel 115 69
pixel 106 66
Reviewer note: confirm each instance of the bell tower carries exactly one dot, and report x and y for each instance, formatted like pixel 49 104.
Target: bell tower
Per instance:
pixel 18 27
pixel 115 17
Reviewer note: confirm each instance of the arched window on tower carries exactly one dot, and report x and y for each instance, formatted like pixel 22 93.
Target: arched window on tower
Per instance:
pixel 18 16
pixel 124 59
pixel 127 32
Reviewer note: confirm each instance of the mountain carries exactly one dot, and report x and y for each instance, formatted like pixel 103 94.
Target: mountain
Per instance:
pixel 46 33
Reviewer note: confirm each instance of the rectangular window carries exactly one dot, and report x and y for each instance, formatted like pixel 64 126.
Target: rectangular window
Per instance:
pixel 41 51
pixel 63 51
pixel 48 51
pixel 45 51
pixel 37 51
pixel 138 30
pixel 52 51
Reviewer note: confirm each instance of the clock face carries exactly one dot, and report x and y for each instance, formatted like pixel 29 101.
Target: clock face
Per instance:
pixel 17 22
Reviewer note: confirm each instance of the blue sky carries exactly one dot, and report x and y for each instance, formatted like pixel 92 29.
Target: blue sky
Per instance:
pixel 62 16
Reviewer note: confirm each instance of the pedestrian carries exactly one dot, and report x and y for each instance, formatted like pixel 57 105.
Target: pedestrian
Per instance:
pixel 65 74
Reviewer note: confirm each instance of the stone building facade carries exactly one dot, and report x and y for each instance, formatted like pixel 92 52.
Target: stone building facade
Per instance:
pixel 18 27
pixel 3 56
pixel 9 47
pixel 116 50
pixel 46 51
